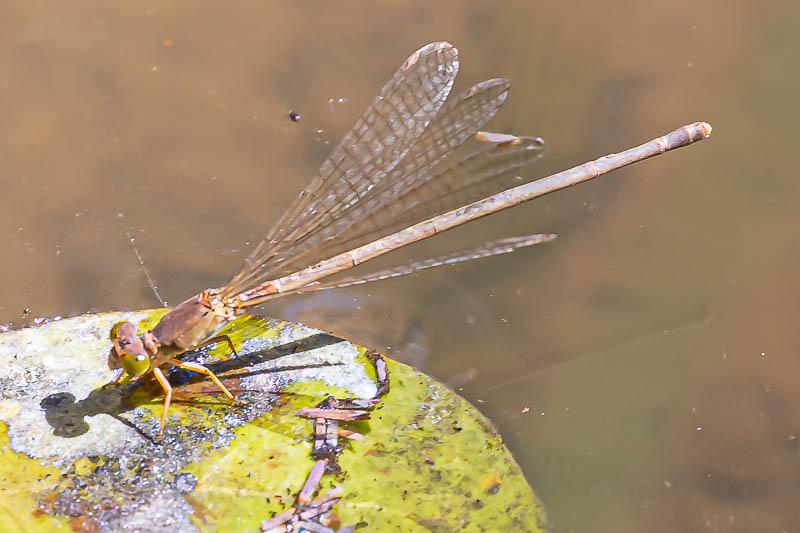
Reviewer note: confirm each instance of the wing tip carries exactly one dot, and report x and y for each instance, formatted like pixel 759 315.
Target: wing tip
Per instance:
pixel 432 48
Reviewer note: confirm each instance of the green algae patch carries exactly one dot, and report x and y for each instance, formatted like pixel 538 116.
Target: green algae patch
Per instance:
pixel 21 478
pixel 150 319
pixel 80 454
pixel 433 462
pixel 256 476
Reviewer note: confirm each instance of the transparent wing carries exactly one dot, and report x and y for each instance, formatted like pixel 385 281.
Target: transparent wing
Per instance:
pixel 380 139
pixel 361 200
pixel 373 214
pixel 497 247
pixel 456 182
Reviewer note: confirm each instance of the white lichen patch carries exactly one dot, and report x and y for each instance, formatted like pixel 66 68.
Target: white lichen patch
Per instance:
pixel 59 362
pixel 333 363
pixel 164 511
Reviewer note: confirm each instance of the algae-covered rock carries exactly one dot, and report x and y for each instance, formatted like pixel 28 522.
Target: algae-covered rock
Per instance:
pixel 77 450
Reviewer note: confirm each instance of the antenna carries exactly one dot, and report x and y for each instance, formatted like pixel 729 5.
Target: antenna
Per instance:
pixel 144 269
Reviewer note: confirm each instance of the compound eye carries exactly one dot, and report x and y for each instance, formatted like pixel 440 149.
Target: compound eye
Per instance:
pixel 136 364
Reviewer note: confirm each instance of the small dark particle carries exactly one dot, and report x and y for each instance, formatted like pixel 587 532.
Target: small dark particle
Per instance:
pixel 26 312
pixel 477 504
pixel 294 116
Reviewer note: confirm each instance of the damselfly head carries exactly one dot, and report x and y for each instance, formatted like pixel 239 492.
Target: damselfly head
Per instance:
pixel 129 350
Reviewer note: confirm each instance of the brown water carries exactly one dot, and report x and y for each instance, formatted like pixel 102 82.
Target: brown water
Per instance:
pixel 655 343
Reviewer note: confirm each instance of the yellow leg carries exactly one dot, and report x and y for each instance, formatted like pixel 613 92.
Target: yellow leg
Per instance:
pixel 167 399
pixel 203 370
